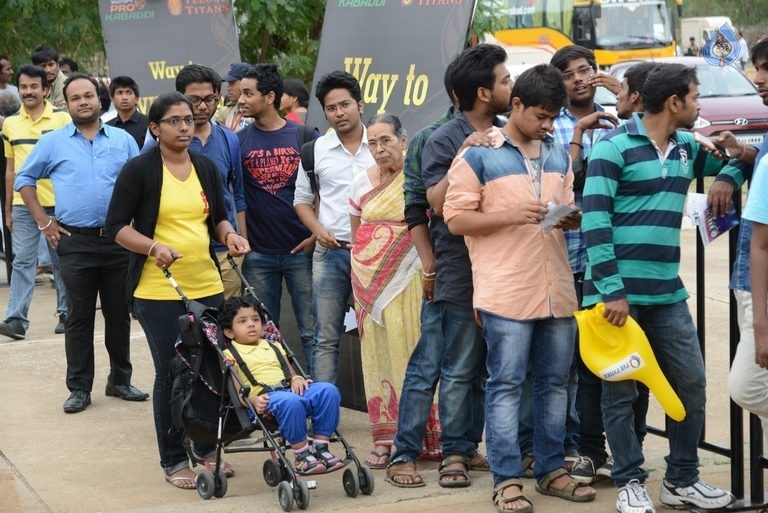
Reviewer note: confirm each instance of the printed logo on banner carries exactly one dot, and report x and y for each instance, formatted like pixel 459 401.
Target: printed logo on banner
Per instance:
pixel 430 3
pixel 197 7
pixel 362 3
pixel 128 10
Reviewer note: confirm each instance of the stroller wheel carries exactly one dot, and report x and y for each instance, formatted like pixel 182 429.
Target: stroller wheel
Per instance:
pixel 351 483
pixel 301 494
pixel 272 472
pixel 285 495
pixel 221 485
pixel 205 484
pixel 366 480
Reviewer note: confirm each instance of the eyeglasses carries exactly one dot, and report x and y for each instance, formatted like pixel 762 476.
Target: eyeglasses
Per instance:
pixel 582 72
pixel 208 100
pixel 175 122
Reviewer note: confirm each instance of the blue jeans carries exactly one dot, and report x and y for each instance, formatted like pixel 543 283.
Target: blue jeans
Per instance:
pixel 158 318
pixel 547 346
pixel 331 287
pixel 450 350
pixel 673 338
pixel 573 418
pixel 265 273
pixel 320 402
pixel 25 239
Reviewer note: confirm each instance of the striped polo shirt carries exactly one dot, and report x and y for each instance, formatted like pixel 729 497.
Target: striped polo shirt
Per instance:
pixel 633 208
pixel 21 133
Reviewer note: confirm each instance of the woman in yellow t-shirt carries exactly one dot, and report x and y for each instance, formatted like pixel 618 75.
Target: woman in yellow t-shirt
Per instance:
pixel 166 207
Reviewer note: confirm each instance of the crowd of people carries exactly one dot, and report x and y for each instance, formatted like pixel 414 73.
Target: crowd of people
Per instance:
pixel 464 286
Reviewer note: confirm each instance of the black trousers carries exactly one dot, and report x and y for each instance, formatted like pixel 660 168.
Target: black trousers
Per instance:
pixel 91 265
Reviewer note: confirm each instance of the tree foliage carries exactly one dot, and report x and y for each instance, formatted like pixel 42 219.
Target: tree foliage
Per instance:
pixel 286 32
pixel 71 27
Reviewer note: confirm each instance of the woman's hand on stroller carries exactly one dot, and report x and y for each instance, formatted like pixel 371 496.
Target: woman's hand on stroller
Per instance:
pixel 260 402
pixel 164 255
pixel 299 384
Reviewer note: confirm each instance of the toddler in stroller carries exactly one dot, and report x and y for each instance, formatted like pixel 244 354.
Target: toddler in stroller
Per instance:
pixel 285 394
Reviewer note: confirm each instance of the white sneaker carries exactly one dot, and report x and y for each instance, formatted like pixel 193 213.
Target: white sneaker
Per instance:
pixel 699 494
pixel 633 498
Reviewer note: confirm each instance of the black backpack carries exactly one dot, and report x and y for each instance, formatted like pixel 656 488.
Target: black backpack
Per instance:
pixel 307 145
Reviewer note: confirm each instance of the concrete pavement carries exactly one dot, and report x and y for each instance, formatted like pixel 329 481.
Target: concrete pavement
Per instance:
pixel 105 459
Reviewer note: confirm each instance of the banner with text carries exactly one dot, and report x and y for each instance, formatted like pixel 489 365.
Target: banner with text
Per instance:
pixel 398 50
pixel 151 40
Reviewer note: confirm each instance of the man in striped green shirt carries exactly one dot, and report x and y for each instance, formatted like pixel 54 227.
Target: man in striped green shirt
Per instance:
pixel 637 181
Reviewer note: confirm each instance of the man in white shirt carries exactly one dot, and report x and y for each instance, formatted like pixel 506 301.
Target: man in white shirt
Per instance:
pixel 339 156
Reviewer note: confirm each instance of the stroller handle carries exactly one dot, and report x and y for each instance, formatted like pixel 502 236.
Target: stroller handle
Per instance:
pixel 170 277
pixel 248 289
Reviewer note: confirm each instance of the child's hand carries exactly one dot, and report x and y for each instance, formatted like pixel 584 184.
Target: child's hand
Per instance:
pixel 299 384
pixel 260 402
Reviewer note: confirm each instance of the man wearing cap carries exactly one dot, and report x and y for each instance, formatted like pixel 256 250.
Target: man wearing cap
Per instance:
pixel 229 116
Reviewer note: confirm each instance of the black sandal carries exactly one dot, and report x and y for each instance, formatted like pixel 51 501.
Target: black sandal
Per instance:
pixel 446 472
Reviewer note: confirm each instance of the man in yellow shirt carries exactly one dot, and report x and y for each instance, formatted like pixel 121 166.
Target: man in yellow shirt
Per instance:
pixel 21 132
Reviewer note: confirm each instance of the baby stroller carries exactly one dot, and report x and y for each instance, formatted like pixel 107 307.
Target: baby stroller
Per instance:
pixel 229 414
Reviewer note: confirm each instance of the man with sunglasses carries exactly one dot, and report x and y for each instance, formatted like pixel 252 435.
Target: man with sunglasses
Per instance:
pixel 202 87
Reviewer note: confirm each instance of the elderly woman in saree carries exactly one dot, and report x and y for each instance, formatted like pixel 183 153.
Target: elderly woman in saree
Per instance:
pixel 387 285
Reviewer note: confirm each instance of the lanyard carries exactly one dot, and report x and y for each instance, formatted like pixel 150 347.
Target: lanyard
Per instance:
pixel 533 173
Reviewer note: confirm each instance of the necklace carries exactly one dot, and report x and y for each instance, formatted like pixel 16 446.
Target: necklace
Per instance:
pixel 180 171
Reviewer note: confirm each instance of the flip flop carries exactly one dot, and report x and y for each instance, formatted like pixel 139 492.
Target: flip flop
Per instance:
pixel 404 469
pixel 379 466
pixel 210 464
pixel 184 482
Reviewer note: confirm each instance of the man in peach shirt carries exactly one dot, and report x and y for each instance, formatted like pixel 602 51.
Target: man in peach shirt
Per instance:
pixel 523 287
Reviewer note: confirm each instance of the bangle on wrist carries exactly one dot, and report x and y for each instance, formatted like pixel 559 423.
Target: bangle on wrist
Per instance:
pixel 154 243
pixel 298 377
pixel 50 221
pixel 577 144
pixel 429 275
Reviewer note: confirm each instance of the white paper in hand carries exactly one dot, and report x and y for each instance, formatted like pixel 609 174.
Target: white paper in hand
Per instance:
pixel 555 214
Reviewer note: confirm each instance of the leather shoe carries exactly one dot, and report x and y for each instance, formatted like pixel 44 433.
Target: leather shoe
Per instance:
pixel 77 402
pixel 12 329
pixel 126 392
pixel 61 326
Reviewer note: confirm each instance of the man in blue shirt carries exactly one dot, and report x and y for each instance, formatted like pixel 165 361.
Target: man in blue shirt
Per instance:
pixel 83 159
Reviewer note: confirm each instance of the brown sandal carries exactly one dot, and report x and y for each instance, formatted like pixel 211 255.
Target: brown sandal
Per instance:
pixel 479 462
pixel 404 469
pixel 500 501
pixel 568 492
pixel 379 456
